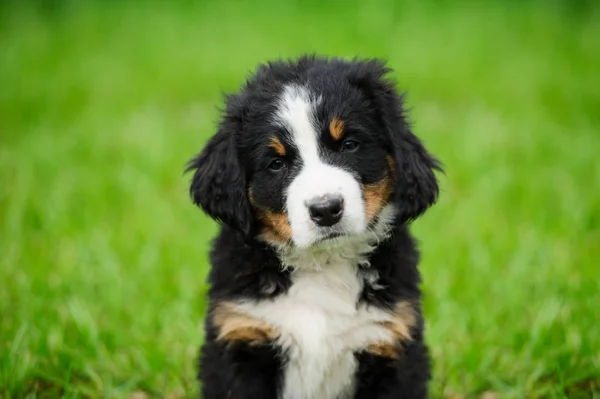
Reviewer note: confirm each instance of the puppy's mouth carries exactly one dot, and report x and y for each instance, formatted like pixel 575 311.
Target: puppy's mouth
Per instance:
pixel 336 235
pixel 327 238
pixel 330 236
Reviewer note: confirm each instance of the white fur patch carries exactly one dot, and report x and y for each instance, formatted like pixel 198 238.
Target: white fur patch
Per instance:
pixel 321 328
pixel 319 318
pixel 296 111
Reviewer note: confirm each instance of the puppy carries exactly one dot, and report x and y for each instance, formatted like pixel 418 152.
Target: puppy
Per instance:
pixel 314 175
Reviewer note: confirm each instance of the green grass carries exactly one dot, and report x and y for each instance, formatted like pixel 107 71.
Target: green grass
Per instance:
pixel 103 258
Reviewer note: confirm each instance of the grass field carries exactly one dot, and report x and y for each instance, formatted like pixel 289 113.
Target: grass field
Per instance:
pixel 103 257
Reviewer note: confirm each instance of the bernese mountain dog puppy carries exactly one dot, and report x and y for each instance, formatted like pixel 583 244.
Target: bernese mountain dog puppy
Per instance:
pixel 314 176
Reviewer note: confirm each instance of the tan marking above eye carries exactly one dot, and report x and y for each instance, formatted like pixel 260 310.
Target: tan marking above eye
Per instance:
pixel 234 325
pixel 336 128
pixel 278 146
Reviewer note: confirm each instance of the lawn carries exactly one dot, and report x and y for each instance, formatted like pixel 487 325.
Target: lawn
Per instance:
pixel 104 258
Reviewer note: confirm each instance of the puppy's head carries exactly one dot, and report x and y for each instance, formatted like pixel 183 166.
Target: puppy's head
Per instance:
pixel 313 150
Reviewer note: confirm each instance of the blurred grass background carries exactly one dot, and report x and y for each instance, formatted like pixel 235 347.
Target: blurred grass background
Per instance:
pixel 103 258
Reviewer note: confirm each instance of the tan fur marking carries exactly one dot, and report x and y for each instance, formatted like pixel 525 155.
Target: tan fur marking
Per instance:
pixel 277 146
pixel 237 326
pixel 336 128
pixel 377 194
pixel 403 319
pixel 383 349
pixel 275 226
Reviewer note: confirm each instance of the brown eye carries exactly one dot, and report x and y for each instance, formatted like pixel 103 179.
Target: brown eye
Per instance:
pixel 276 164
pixel 349 145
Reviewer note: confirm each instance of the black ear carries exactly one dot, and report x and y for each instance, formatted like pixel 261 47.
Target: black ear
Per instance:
pixel 416 186
pixel 219 184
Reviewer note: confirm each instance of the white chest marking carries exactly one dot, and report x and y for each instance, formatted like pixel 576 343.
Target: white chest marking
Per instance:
pixel 321 327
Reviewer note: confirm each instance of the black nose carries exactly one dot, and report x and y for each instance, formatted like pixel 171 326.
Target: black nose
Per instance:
pixel 326 211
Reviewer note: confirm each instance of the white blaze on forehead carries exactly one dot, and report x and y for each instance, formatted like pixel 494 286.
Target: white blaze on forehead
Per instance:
pixel 297 113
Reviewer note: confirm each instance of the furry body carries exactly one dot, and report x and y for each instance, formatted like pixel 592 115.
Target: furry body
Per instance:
pixel 314 174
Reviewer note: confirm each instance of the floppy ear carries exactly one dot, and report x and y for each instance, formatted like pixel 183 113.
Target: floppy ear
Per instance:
pixel 219 184
pixel 416 184
pixel 416 187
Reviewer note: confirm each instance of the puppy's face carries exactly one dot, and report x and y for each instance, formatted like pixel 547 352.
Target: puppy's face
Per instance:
pixel 313 150
pixel 320 169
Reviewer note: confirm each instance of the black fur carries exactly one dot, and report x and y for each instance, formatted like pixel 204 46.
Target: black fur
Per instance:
pixel 416 185
pixel 235 161
pixel 219 184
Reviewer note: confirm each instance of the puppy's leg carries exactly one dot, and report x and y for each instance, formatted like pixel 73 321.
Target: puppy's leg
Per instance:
pixel 407 376
pixel 239 371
